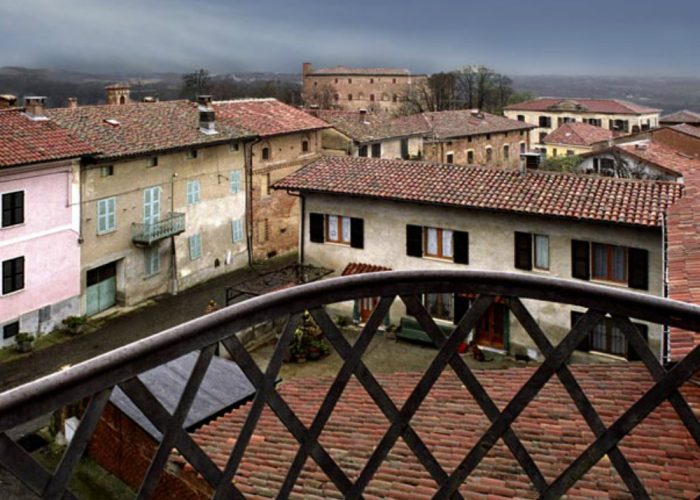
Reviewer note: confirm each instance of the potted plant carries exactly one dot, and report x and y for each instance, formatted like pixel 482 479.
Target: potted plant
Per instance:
pixel 317 349
pixel 75 324
pixel 297 347
pixel 24 342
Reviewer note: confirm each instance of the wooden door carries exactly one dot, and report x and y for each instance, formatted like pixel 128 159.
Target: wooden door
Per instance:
pixel 367 305
pixel 490 331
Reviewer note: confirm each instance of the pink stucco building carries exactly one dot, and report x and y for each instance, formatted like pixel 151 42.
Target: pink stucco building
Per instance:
pixel 39 227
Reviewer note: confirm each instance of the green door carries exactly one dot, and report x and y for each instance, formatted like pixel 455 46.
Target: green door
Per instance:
pixel 101 292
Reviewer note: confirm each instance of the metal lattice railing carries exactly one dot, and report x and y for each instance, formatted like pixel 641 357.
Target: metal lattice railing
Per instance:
pixel 96 378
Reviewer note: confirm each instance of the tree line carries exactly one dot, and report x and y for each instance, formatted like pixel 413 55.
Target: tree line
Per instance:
pixel 201 82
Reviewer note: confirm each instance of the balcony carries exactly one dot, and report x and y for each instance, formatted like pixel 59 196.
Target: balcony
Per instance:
pixel 148 234
pixel 314 459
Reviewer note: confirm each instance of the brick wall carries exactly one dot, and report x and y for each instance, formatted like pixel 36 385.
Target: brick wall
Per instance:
pixel 438 151
pixel 122 448
pixel 677 140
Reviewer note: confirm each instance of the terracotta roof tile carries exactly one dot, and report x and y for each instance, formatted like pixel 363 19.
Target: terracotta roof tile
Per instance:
pixel 682 116
pixel 660 450
pixel 621 201
pixel 464 122
pixel 606 106
pixel 24 141
pixel 687 129
pixel 662 156
pixel 578 134
pixel 265 117
pixel 141 128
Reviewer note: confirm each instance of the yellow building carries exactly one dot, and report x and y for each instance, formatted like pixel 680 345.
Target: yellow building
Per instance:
pixel 574 139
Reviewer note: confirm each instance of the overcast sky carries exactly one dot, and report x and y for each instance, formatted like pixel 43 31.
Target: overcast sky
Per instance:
pixel 616 37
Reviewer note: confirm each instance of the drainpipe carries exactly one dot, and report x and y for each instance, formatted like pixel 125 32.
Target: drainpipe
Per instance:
pixel 301 228
pixel 173 253
pixel 665 346
pixel 248 165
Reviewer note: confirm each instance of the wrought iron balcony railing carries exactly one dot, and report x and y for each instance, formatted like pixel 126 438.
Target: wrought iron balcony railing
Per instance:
pixel 95 379
pixel 147 234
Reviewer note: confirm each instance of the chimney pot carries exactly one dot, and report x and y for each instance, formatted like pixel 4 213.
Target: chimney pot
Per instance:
pixel 118 93
pixel 207 116
pixel 34 107
pixel 7 101
pixel 72 102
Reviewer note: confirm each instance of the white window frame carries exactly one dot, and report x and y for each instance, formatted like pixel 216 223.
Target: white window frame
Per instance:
pixel 193 192
pixel 24 209
pixel 538 240
pixel 104 213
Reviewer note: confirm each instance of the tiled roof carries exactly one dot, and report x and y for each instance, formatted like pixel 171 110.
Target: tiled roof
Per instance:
pixel 605 199
pixel 24 141
pixel 683 116
pixel 141 128
pixel 265 117
pixel 662 156
pixel 578 134
pixel 687 129
pixel 360 268
pixel 464 122
pixel 368 127
pixel 606 106
pixel 683 235
pixel 660 449
pixel 345 70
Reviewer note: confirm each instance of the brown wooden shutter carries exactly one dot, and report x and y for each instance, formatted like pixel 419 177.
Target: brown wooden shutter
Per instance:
pixel 357 233
pixel 638 275
pixel 316 228
pixel 631 353
pixel 580 259
pixel 461 306
pixel 461 247
pixel 414 241
pixel 523 251
pixel 585 344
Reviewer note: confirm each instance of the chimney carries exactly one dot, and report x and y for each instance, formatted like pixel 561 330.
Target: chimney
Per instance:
pixel 207 117
pixel 118 93
pixel 313 110
pixel 306 69
pixel 72 102
pixel 149 98
pixel 34 107
pixel 7 101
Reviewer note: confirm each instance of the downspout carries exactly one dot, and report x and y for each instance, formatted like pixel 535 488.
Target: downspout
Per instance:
pixel 301 228
pixel 173 249
pixel 248 165
pixel 665 344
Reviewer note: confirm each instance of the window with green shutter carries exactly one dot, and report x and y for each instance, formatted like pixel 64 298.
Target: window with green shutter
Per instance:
pixel 235 181
pixel 237 230
pixel 195 242
pixel 193 193
pixel 106 215
pixel 152 261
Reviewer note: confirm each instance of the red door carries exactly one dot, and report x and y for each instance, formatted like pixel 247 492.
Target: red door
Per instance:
pixel 367 305
pixel 490 330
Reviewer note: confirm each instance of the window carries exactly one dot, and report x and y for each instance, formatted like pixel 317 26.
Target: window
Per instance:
pixel 439 305
pixel 12 275
pixel 234 146
pixel 193 192
pixel 336 97
pixel 607 337
pixel 525 257
pixel 371 97
pixel 12 208
pixel 394 98
pixel 521 118
pixel 10 330
pixel 437 243
pixel 542 136
pixel 152 261
pixel 489 155
pixel 336 80
pixel 192 154
pixel 237 230
pixel 266 153
pixel 469 138
pixel 609 262
pixel 545 121
pixel 488 137
pixel 349 97
pixel 265 185
pixel 152 161
pixel 393 80
pixel 450 158
pixel 470 157
pixel 304 146
pixel 362 152
pixel 377 150
pixel 336 229
pixel 604 166
pixel 195 244
pixel 107 171
pixel 234 180
pixel 106 215
pixel 554 152
pixel 522 147
pixel 349 80
pixel 371 80
pixel 506 152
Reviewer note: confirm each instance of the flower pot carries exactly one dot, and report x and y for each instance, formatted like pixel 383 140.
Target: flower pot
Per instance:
pixel 76 329
pixel 314 354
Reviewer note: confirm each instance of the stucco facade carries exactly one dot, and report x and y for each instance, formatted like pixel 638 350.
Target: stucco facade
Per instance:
pixel 275 214
pixel 48 241
pixel 491 247
pixel 473 150
pixel 210 214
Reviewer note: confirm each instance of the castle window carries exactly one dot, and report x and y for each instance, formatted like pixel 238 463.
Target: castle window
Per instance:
pixel 304 146
pixel 265 153
pixel 349 97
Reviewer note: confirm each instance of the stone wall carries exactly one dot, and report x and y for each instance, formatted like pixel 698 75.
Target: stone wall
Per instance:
pixel 515 140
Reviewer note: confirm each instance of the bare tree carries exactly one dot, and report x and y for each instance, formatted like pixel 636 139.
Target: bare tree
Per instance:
pixel 322 96
pixel 196 83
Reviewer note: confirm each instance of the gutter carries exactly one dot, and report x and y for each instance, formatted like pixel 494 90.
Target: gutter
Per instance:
pixel 248 165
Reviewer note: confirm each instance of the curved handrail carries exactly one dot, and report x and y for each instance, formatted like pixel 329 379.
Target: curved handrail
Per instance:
pixel 53 391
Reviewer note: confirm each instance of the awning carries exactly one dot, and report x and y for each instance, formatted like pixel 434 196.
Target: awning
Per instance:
pixel 360 268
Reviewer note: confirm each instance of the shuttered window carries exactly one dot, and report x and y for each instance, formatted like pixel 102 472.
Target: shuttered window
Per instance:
pixel 638 269
pixel 235 181
pixel 541 242
pixel 106 215
pixel 195 244
pixel 414 241
pixel 357 233
pixel 316 228
pixel 12 208
pixel 12 275
pixel 193 192
pixel 523 251
pixel 237 230
pixel 580 259
pixel 609 262
pixel 461 247
pixel 152 261
pixel 608 338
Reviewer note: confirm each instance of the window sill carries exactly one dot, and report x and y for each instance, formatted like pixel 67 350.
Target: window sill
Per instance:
pixel 10 294
pixel 105 233
pixel 151 276
pixel 440 259
pixel 337 244
pixel 615 357
pixel 618 284
pixel 13 226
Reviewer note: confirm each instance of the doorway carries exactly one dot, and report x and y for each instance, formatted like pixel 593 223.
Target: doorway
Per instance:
pixel 101 291
pixel 491 329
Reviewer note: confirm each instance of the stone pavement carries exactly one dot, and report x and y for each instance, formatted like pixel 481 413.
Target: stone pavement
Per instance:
pixel 164 312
